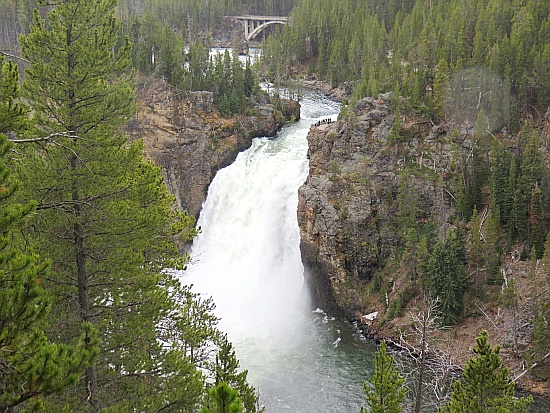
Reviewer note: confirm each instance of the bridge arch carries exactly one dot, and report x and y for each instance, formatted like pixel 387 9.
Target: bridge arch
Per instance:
pixel 254 25
pixel 252 35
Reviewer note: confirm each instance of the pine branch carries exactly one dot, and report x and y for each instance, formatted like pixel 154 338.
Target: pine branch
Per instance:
pixel 4 53
pixel 46 138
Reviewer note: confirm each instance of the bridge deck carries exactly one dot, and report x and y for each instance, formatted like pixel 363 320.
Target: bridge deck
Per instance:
pixel 278 18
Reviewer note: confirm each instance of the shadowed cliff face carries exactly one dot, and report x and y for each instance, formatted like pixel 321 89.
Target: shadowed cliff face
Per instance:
pixel 347 207
pixel 188 137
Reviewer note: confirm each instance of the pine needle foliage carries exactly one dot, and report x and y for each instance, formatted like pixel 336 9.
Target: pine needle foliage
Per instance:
pixel 384 391
pixel 31 366
pixel 485 386
pixel 104 217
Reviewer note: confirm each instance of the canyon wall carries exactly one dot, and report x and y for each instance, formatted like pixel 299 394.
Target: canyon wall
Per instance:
pixel 187 136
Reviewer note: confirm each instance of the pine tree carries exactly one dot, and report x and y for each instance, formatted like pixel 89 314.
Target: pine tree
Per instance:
pixel 395 134
pixel 501 194
pixel 485 386
pixel 532 162
pixel 223 399
pixel 226 370
pixel 384 392
pixel 249 79
pixel 446 276
pixel 536 222
pixel 493 248
pixel 106 220
pixel 12 112
pixel 440 88
pixel 31 365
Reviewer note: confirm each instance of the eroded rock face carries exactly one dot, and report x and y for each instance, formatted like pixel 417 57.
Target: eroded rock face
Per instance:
pixel 186 135
pixel 347 206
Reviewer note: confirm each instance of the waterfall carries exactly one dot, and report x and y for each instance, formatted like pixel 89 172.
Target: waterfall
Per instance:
pixel 247 257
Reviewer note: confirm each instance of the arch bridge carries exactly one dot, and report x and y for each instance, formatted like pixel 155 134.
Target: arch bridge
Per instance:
pixel 254 25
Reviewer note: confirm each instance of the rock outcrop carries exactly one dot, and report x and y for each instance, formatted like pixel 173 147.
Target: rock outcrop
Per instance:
pixel 351 233
pixel 186 135
pixel 347 206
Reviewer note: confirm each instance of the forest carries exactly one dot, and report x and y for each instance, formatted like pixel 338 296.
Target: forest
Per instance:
pixel 411 47
pixel 91 319
pixel 188 18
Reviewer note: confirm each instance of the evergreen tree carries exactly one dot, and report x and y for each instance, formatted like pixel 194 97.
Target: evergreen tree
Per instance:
pixel 529 219
pixel 12 112
pixel 223 399
pixel 536 222
pixel 106 220
pixel 501 193
pixel 446 276
pixel 31 366
pixel 440 88
pixel 485 386
pixel 384 392
pixel 532 162
pixel 226 370
pixel 249 79
pixel 493 248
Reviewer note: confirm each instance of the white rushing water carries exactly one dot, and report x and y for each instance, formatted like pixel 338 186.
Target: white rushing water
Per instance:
pixel 248 259
pixel 248 254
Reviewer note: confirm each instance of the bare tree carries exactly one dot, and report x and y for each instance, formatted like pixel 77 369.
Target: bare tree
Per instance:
pixel 427 369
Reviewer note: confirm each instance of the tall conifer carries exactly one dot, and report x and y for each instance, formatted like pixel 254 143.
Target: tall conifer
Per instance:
pixel 384 392
pixel 31 366
pixel 446 276
pixel 105 218
pixel 485 386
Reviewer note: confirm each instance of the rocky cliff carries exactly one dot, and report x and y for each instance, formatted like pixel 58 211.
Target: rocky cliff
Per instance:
pixel 186 135
pixel 347 207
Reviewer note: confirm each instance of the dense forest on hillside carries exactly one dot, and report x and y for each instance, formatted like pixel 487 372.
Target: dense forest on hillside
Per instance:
pixel 412 47
pixel 186 17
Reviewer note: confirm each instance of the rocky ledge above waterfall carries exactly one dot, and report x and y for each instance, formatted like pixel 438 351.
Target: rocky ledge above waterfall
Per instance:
pixel 347 205
pixel 187 136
